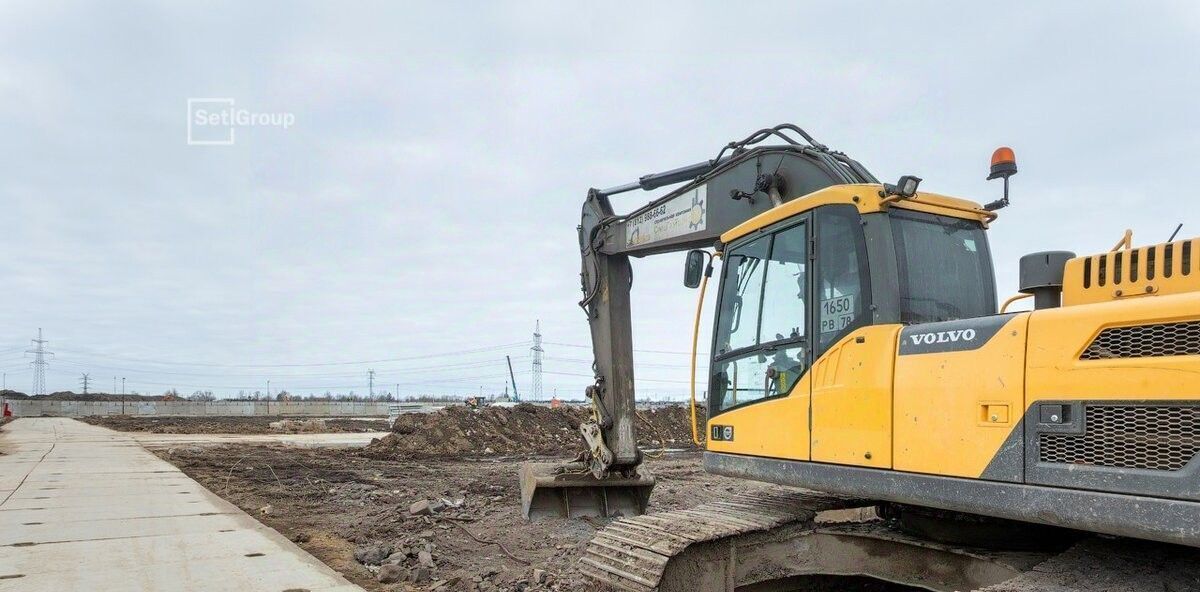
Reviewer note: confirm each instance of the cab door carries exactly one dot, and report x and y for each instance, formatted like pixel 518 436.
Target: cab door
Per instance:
pixel 758 389
pixel 851 401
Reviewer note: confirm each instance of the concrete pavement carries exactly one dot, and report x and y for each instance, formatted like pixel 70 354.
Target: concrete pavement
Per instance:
pixel 86 508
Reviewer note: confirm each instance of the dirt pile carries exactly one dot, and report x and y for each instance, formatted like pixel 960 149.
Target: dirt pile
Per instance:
pixel 460 431
pixel 669 426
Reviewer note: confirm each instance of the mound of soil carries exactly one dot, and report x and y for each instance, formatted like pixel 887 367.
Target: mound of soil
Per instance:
pixel 460 431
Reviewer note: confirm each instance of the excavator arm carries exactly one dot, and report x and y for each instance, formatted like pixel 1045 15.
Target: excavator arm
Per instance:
pixel 744 180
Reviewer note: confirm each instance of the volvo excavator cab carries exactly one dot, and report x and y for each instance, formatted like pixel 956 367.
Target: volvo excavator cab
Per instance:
pixel 792 290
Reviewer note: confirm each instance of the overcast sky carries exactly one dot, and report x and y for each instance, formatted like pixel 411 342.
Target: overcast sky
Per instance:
pixel 418 217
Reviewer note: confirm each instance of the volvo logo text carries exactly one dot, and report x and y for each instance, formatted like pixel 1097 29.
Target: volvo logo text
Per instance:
pixel 943 337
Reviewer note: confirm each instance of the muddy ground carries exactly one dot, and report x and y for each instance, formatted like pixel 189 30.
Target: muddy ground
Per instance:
pixel 334 503
pixel 226 425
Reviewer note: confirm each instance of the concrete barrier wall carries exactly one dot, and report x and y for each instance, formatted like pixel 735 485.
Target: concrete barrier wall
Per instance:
pixel 35 408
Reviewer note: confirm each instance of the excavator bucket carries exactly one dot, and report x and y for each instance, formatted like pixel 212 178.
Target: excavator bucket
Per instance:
pixel 569 490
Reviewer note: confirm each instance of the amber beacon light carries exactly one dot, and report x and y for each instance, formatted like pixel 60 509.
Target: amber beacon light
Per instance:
pixel 1004 165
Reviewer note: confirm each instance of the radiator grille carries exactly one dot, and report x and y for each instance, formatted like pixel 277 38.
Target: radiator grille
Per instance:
pixel 1145 341
pixel 1157 438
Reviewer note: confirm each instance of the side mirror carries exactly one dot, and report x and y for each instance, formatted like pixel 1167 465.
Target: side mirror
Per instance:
pixel 693 269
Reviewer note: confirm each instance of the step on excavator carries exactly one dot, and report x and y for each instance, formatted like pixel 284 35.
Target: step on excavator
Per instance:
pixel 860 360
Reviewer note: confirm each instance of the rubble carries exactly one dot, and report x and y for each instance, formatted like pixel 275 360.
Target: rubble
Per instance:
pixel 425 508
pixel 372 554
pixel 420 575
pixel 390 573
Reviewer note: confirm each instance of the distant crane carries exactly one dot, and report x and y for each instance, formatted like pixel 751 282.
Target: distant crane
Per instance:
pixel 513 378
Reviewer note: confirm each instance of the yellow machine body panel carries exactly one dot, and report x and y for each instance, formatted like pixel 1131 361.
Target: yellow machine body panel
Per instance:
pixel 775 428
pixel 1156 270
pixel 955 409
pixel 1064 363
pixel 852 399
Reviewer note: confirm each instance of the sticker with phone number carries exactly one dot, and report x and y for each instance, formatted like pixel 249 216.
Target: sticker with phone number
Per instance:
pixel 837 313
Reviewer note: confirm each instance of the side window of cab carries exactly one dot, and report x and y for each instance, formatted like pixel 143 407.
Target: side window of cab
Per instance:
pixel 761 338
pixel 843 289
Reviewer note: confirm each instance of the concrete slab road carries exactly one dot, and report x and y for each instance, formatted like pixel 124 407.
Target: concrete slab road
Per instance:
pixel 86 508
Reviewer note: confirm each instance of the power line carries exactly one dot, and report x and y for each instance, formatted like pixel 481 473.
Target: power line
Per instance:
pixel 408 370
pixel 84 381
pixel 640 351
pixel 306 365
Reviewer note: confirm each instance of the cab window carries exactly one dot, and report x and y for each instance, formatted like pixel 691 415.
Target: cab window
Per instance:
pixel 843 282
pixel 760 348
pixel 741 292
pixel 944 268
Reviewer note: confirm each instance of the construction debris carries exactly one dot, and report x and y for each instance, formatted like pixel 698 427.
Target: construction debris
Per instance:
pixel 372 554
pixel 391 573
pixel 424 508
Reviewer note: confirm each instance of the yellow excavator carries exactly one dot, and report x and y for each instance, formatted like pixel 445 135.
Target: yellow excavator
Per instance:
pixel 858 351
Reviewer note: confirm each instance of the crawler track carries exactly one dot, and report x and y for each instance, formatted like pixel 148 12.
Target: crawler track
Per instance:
pixel 765 541
pixel 633 553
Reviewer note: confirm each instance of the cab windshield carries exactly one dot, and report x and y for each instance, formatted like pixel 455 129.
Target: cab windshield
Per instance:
pixel 944 268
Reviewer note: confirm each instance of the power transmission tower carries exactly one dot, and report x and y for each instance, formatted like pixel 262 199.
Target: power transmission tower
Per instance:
pixel 537 361
pixel 370 383
pixel 39 363
pixel 84 380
